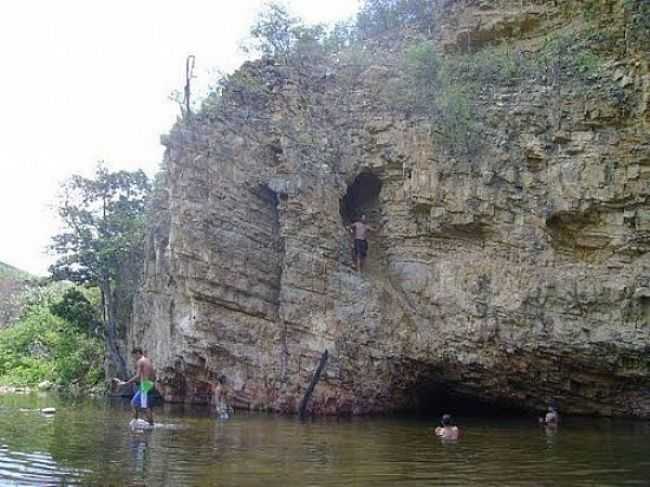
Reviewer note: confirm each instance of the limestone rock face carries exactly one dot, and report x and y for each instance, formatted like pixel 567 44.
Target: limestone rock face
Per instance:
pixel 14 284
pixel 511 277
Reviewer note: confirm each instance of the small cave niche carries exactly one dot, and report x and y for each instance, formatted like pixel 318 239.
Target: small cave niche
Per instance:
pixel 269 209
pixel 362 197
pixel 581 235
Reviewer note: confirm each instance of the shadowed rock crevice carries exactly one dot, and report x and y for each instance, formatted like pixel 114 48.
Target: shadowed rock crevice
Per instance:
pixel 272 244
pixel 362 197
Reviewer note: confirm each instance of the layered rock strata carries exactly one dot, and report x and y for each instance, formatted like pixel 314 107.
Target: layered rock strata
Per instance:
pixel 510 277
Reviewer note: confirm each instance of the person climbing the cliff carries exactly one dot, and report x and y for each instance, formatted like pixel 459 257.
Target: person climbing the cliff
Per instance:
pixel 447 430
pixel 360 230
pixel 145 377
pixel 220 397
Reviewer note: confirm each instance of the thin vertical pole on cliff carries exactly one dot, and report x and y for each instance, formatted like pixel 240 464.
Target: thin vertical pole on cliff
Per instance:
pixel 314 380
pixel 189 74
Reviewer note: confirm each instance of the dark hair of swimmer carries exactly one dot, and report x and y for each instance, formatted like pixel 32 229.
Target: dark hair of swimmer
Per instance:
pixel 446 420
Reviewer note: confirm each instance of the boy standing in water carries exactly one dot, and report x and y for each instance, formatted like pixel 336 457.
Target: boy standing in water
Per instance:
pixel 552 417
pixel 145 376
pixel 220 397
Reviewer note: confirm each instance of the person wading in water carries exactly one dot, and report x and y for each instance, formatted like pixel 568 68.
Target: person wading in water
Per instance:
pixel 360 230
pixel 220 398
pixel 145 377
pixel 447 430
pixel 552 417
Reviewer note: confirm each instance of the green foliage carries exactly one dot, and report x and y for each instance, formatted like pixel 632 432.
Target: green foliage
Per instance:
pixel 103 242
pixel 75 308
pixel 500 64
pixel 638 15
pixel 341 36
pixel 42 346
pixel 376 17
pixel 437 89
pixel 448 88
pixel 567 58
pixel 10 272
pixel 273 30
pixel 588 63
pixel 280 35
pixel 104 223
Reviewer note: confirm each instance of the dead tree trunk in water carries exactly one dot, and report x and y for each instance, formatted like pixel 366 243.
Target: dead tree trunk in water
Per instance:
pixel 314 380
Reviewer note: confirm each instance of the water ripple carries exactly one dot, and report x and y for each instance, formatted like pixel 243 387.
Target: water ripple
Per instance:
pixel 89 443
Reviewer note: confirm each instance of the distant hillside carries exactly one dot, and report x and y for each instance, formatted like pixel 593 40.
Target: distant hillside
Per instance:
pixel 10 272
pixel 13 285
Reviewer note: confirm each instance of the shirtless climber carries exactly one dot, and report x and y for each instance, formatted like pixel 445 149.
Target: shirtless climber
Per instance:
pixel 360 230
pixel 145 376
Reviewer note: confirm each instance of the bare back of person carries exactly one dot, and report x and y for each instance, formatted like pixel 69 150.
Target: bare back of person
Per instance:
pixel 145 369
pixel 448 432
pixel 360 231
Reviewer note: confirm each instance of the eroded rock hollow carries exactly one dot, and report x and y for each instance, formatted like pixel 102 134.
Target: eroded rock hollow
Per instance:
pixel 509 277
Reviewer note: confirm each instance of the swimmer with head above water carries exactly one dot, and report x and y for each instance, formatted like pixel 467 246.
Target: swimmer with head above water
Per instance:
pixel 448 430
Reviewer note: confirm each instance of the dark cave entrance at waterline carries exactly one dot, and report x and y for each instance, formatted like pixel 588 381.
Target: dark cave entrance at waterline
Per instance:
pixel 433 399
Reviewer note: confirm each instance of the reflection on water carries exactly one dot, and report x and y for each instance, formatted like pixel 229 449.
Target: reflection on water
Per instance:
pixel 89 442
pixel 18 468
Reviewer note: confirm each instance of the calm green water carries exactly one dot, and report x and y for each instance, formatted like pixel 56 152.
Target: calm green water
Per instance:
pixel 89 443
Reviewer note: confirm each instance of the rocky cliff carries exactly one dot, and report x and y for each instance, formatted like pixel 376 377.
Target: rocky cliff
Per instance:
pixel 14 284
pixel 506 275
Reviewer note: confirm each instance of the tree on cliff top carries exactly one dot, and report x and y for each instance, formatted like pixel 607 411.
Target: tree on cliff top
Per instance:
pixel 378 16
pixel 280 35
pixel 273 30
pixel 103 222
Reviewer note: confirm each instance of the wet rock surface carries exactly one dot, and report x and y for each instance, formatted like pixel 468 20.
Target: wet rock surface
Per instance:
pixel 512 277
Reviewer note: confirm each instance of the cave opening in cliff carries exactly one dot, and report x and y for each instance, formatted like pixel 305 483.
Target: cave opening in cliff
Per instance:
pixel 433 399
pixel 361 197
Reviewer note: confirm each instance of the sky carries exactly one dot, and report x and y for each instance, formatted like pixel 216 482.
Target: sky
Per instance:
pixel 90 80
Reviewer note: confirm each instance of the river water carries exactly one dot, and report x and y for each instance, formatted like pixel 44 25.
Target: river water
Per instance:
pixel 88 442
